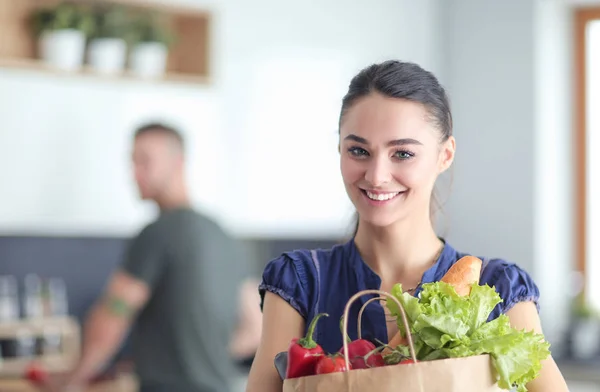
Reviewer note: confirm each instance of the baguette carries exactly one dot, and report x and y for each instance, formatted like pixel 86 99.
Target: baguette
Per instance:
pixel 462 275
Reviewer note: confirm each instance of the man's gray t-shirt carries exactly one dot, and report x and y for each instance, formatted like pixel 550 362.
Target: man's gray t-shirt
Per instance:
pixel 180 338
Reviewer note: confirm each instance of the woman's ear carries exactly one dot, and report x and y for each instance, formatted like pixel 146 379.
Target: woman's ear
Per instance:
pixel 447 154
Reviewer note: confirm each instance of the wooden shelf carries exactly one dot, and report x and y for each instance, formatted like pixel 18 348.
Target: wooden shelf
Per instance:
pixel 51 363
pixel 66 327
pixel 189 56
pixel 34 65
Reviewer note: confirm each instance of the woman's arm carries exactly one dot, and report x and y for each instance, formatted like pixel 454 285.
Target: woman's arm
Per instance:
pixel 524 315
pixel 281 324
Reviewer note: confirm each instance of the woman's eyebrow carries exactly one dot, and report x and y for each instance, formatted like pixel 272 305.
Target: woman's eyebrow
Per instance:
pixel 397 142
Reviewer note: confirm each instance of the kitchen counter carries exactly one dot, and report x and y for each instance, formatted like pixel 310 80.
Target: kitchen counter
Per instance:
pixel 122 383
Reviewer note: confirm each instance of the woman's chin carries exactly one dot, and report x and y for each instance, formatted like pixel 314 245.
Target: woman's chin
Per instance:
pixel 379 221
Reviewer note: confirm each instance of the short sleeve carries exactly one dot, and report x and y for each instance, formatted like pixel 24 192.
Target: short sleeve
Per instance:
pixel 513 284
pixel 292 277
pixel 146 256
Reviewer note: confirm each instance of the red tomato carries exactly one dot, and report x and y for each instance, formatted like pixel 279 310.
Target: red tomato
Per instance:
pixel 35 373
pixel 405 361
pixel 331 364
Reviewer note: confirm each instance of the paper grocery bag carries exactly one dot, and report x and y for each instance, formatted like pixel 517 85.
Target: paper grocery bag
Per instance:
pixel 471 374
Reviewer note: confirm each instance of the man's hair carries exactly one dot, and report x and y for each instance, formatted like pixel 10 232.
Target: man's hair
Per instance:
pixel 163 129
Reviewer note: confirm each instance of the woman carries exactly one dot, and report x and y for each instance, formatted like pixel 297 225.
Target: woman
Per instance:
pixel 395 140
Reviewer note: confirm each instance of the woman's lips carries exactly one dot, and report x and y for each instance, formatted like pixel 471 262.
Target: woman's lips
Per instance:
pixel 378 197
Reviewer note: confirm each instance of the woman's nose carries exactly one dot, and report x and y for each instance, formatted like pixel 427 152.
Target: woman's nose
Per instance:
pixel 378 173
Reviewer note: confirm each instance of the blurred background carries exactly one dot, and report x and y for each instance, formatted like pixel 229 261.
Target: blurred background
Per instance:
pixel 257 87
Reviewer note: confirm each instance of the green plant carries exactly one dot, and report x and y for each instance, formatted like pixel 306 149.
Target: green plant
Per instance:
pixel 150 27
pixel 63 16
pixel 582 310
pixel 110 22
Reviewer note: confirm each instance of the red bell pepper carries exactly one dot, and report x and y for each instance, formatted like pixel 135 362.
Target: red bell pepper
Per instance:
pixel 357 350
pixel 331 364
pixel 304 353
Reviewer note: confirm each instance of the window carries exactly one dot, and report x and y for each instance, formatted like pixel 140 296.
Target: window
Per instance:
pixel 592 125
pixel 588 151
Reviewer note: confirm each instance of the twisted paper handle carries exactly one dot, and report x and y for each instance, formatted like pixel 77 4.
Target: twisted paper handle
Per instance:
pixel 360 313
pixel 381 294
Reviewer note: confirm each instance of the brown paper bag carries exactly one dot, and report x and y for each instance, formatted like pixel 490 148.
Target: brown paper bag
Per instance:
pixel 471 374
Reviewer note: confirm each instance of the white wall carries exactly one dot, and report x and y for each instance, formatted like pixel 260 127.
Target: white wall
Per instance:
pixel 262 138
pixel 509 79
pixel 491 85
pixel 283 80
pixel 65 148
pixel 554 161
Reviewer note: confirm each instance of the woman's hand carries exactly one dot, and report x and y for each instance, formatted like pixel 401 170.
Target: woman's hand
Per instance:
pixel 524 315
pixel 281 324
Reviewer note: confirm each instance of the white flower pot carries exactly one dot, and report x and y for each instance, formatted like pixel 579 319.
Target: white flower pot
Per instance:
pixel 63 49
pixel 586 339
pixel 148 59
pixel 107 55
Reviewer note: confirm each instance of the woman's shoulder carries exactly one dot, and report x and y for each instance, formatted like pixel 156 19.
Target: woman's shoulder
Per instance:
pixel 295 275
pixel 306 261
pixel 512 281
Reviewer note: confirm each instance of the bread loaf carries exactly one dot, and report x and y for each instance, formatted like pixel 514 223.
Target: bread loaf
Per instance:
pixel 463 274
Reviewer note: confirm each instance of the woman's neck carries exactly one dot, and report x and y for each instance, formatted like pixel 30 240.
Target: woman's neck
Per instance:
pixel 402 249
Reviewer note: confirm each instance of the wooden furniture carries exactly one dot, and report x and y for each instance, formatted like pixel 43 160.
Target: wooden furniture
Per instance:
pixel 189 57
pixel 62 360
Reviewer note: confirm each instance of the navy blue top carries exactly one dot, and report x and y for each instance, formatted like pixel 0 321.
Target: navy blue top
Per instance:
pixel 317 281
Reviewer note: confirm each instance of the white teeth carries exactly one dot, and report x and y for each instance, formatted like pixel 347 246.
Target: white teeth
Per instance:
pixel 381 196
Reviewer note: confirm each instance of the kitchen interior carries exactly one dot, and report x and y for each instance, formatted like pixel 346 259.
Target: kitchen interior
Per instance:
pixel 256 87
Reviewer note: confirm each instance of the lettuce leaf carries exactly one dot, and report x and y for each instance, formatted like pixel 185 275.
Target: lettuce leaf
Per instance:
pixel 444 324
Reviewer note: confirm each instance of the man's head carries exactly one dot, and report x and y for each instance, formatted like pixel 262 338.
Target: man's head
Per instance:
pixel 158 160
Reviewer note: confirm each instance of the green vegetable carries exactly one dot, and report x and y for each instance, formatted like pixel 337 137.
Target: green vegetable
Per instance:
pixel 446 325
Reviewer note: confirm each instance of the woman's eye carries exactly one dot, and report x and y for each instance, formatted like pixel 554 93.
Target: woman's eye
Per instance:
pixel 358 152
pixel 404 154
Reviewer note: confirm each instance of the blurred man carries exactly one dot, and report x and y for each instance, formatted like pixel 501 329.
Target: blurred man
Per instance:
pixel 178 286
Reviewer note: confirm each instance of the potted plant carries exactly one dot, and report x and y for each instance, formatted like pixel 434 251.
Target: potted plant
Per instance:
pixel 107 50
pixel 585 330
pixel 150 39
pixel 62 32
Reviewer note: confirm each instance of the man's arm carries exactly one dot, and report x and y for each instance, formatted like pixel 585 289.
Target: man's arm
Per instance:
pixel 246 336
pixel 107 324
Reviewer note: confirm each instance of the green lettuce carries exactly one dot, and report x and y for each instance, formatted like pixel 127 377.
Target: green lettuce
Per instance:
pixel 444 324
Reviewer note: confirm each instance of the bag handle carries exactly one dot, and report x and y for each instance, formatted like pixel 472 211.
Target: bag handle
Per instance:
pixel 381 294
pixel 360 313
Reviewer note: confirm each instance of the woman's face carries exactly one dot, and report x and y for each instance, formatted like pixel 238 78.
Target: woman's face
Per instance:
pixel 391 156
